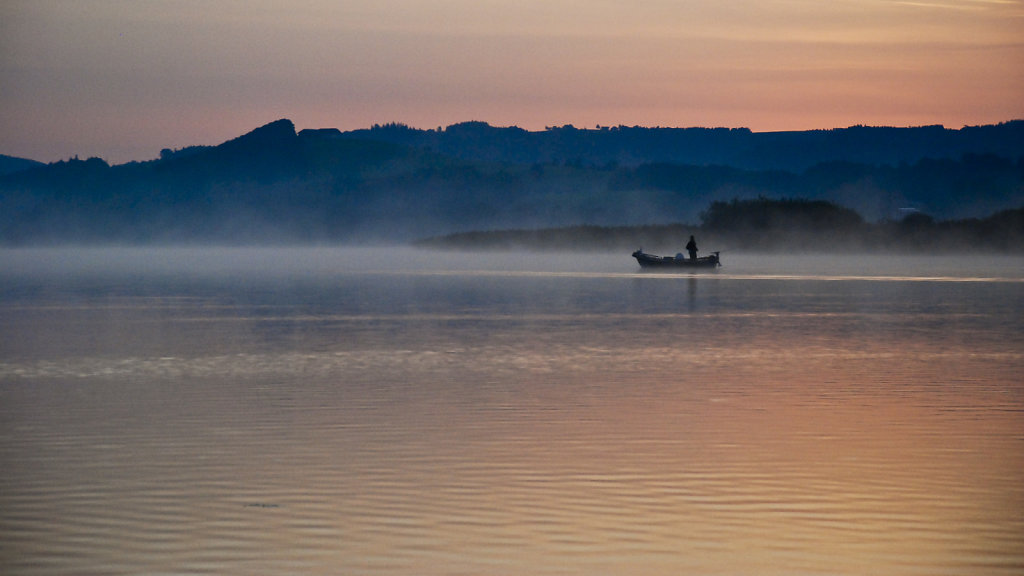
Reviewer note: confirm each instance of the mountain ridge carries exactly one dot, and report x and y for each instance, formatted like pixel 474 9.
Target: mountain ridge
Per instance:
pixel 396 183
pixel 737 147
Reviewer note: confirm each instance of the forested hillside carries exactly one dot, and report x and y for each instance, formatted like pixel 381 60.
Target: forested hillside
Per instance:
pixel 394 183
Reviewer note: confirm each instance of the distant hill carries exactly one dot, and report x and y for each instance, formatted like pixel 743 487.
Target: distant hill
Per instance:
pixel 10 164
pixel 395 183
pixel 738 148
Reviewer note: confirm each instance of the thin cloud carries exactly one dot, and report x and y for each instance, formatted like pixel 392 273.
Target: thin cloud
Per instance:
pixel 965 5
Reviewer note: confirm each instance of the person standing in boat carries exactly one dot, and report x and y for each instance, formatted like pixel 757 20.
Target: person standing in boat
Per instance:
pixel 691 247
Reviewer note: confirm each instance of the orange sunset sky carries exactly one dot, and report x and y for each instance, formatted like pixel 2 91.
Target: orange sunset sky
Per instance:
pixel 121 79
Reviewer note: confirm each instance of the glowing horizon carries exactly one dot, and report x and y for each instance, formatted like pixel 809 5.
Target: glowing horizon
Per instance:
pixel 121 80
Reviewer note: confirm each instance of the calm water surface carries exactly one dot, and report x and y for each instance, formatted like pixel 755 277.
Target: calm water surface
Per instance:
pixel 343 411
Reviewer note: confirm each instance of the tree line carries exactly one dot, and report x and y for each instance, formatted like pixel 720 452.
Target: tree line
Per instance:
pixel 768 225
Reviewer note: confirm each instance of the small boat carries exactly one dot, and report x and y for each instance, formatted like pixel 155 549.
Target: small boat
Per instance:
pixel 677 261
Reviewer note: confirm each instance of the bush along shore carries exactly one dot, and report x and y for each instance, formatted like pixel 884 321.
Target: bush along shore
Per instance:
pixel 767 225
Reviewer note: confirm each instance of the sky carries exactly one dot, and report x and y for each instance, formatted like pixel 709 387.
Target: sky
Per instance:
pixel 123 79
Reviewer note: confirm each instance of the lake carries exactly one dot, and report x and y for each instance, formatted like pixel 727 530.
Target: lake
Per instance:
pixel 385 412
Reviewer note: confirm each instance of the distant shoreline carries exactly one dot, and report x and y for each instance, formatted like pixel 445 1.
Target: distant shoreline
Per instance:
pixel 820 232
pixel 548 240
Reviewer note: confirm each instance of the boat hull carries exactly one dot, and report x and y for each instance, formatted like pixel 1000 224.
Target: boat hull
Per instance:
pixel 676 262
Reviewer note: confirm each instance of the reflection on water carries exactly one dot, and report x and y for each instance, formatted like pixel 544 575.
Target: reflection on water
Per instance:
pixel 548 415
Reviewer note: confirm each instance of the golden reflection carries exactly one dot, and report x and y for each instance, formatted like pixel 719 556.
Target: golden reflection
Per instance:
pixel 811 438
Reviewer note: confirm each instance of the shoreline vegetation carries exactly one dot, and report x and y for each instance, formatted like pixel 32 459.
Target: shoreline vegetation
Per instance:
pixel 765 225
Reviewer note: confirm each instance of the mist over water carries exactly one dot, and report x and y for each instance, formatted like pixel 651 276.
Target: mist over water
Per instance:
pixel 397 411
pixel 310 262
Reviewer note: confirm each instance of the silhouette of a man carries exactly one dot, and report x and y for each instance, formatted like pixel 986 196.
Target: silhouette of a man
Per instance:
pixel 691 247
